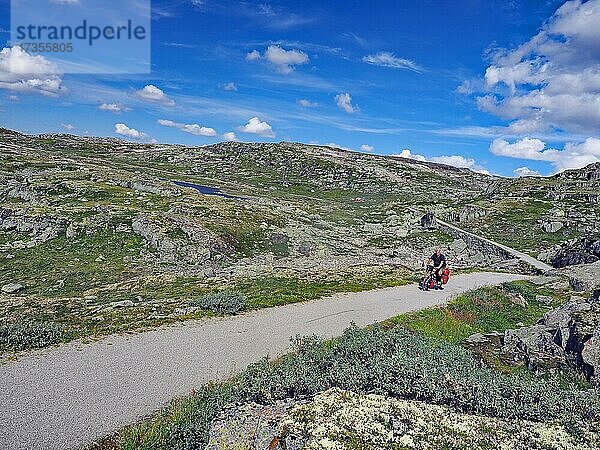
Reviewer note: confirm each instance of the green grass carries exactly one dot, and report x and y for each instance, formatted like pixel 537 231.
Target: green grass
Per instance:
pixel 156 298
pixel 83 263
pixel 277 291
pixel 480 311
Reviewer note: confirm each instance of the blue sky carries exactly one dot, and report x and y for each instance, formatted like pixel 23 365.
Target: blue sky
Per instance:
pixel 509 87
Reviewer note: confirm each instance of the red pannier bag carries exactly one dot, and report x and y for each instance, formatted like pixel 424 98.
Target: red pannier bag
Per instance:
pixel 432 283
pixel 445 275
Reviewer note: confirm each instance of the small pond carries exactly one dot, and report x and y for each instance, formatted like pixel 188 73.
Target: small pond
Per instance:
pixel 206 190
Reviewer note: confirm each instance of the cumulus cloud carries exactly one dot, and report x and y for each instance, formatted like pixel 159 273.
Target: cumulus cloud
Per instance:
pixel 254 55
pixel 22 72
pixel 193 128
pixel 230 136
pixel 153 94
pixel 344 102
pixel 284 61
pixel 229 87
pixel 116 108
pixel 450 160
pixel 366 148
pixel 572 156
pixel 124 130
pixel 307 103
pixel 406 153
pixel 551 81
pixel 68 126
pixel 387 59
pixel 256 126
pixel 521 172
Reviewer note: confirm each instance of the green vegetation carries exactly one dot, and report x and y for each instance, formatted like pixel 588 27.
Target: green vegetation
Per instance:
pixel 26 336
pixel 480 311
pixel 223 302
pixel 387 361
pixel 64 267
pixel 157 299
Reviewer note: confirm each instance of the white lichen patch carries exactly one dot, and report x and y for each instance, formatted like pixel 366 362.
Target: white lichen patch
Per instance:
pixel 341 420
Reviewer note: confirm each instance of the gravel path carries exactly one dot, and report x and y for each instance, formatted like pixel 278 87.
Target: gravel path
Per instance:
pixel 68 396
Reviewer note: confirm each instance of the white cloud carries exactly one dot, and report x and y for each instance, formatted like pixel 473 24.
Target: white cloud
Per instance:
pixel 229 87
pixel 256 126
pixel 450 160
pixel 406 153
pixel 526 148
pixel 230 136
pixel 387 59
pixel 521 172
pixel 551 81
pixel 153 94
pixel 366 148
pixel 14 98
pixel 285 61
pixel 193 128
pixel 21 72
pixel 254 55
pixel 124 130
pixel 66 2
pixel 307 103
pixel 344 101
pixel 572 156
pixel 116 108
pixel 68 126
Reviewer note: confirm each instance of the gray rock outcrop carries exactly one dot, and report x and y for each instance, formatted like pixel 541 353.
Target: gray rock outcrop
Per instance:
pixel 566 337
pixel 582 251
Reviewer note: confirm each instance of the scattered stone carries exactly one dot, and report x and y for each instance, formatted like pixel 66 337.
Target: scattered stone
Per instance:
pixel 305 249
pixel 12 288
pixel 517 299
pixel 544 299
pixel 122 304
pixel 279 239
pixel 186 311
pixel 552 227
pixel 458 246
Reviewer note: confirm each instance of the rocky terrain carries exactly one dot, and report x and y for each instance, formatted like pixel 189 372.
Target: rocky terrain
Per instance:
pixel 339 419
pixel 565 338
pixel 103 235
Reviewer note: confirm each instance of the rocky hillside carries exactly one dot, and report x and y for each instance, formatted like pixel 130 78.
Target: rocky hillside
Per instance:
pixel 90 222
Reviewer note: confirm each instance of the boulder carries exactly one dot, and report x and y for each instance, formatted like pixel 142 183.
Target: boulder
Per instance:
pixel 552 227
pixel 590 355
pixel 534 346
pixel 305 249
pixel 279 239
pixel 595 297
pixel 428 220
pixel 560 319
pixel 122 304
pixel 582 251
pixel 458 246
pixel 585 277
pixel 12 288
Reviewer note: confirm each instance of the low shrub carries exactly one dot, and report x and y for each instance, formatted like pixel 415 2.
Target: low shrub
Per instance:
pixel 30 335
pixel 224 302
pixel 392 362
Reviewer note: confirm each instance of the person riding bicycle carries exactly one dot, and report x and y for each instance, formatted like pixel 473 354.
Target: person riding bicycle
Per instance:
pixel 438 260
